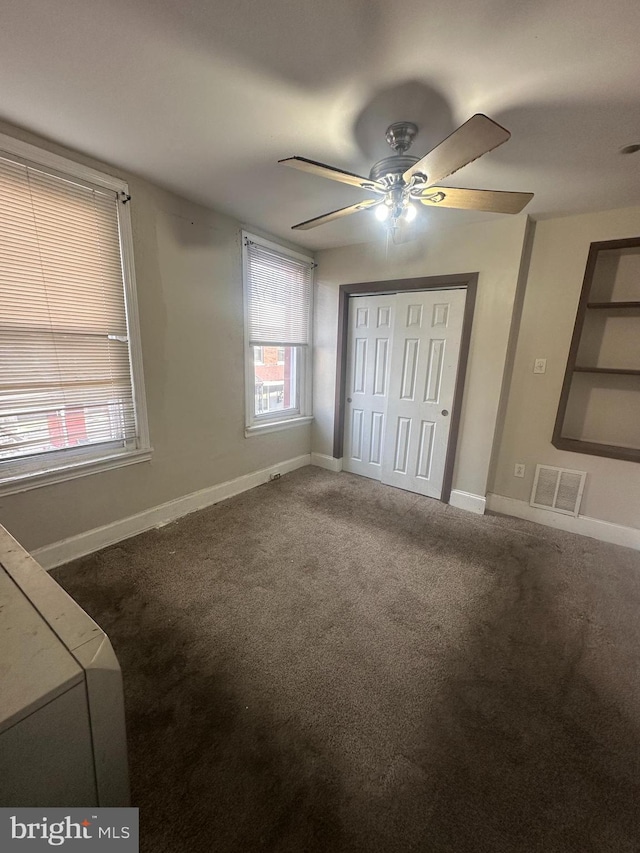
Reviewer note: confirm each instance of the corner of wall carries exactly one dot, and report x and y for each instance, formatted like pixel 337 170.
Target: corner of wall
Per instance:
pixel 512 345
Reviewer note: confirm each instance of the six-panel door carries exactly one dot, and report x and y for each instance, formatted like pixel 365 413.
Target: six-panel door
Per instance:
pixel 401 373
pixel 424 362
pixel 369 347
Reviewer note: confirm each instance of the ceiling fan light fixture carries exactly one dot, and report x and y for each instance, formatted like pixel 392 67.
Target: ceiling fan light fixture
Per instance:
pixel 402 178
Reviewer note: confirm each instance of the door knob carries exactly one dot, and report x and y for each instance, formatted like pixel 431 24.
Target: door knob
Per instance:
pixel 445 412
pixel 349 400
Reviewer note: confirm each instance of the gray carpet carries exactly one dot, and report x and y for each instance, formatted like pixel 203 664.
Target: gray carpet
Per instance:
pixel 328 664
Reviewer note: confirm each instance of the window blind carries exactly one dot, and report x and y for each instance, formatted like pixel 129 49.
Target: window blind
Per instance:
pixel 65 373
pixel 279 297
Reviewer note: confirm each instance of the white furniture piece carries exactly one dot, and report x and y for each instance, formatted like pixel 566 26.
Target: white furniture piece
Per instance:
pixel 62 728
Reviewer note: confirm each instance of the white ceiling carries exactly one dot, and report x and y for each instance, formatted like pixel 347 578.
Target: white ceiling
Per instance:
pixel 204 97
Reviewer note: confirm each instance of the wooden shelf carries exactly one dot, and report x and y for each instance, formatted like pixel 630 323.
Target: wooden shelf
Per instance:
pixel 613 370
pixel 592 448
pixel 614 305
pixel 607 410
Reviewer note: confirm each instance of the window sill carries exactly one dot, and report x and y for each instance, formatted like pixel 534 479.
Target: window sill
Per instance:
pixel 70 471
pixel 273 426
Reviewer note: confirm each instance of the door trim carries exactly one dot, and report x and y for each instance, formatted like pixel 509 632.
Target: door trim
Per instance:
pixel 466 281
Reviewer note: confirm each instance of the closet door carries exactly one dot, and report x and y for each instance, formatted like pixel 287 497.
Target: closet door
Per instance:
pixel 424 360
pixel 369 348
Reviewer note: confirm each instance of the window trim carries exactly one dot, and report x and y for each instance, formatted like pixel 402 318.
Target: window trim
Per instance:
pixel 302 414
pixel 60 466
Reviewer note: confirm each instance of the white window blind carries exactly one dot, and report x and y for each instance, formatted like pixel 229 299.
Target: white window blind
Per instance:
pixel 65 371
pixel 279 293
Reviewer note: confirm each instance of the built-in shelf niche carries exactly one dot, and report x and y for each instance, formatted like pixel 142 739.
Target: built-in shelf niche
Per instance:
pixel 599 409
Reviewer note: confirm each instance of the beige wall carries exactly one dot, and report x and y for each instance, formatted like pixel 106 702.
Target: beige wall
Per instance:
pixel 188 269
pixel 494 249
pixel 560 249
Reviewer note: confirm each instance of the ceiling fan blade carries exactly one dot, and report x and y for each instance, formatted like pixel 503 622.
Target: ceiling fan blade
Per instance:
pixel 475 137
pixel 334 174
pixel 336 214
pixel 494 201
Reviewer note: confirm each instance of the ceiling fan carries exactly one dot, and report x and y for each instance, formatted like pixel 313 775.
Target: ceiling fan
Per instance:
pixel 401 179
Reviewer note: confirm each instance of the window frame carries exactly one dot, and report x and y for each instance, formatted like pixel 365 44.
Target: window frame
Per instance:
pixel 29 472
pixel 259 424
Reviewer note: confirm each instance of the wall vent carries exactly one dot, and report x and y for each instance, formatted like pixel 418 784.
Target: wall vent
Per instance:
pixel 557 489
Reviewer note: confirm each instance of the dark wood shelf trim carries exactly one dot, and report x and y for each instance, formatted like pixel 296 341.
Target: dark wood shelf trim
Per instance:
pixel 558 440
pixel 613 370
pixel 614 305
pixel 612 451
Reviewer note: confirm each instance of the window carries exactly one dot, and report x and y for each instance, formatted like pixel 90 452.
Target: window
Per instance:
pixel 278 295
pixel 71 397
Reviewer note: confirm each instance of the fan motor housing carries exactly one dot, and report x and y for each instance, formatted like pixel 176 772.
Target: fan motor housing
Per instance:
pixel 389 170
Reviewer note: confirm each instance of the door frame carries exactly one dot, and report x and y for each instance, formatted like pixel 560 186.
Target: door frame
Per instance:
pixel 464 281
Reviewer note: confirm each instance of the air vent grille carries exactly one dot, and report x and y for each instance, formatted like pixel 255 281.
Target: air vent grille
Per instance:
pixel 558 489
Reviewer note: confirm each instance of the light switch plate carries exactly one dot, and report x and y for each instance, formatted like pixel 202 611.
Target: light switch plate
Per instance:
pixel 540 365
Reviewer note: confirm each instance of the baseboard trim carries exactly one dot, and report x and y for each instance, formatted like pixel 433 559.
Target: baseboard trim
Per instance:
pixel 468 501
pixel 61 552
pixel 328 462
pixel 606 531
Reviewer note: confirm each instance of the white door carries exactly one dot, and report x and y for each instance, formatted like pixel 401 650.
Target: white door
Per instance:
pixel 402 361
pixel 424 363
pixel 368 351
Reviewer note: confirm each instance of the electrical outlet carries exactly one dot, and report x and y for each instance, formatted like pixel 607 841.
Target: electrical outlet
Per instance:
pixel 518 470
pixel 540 365
pixel 274 477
